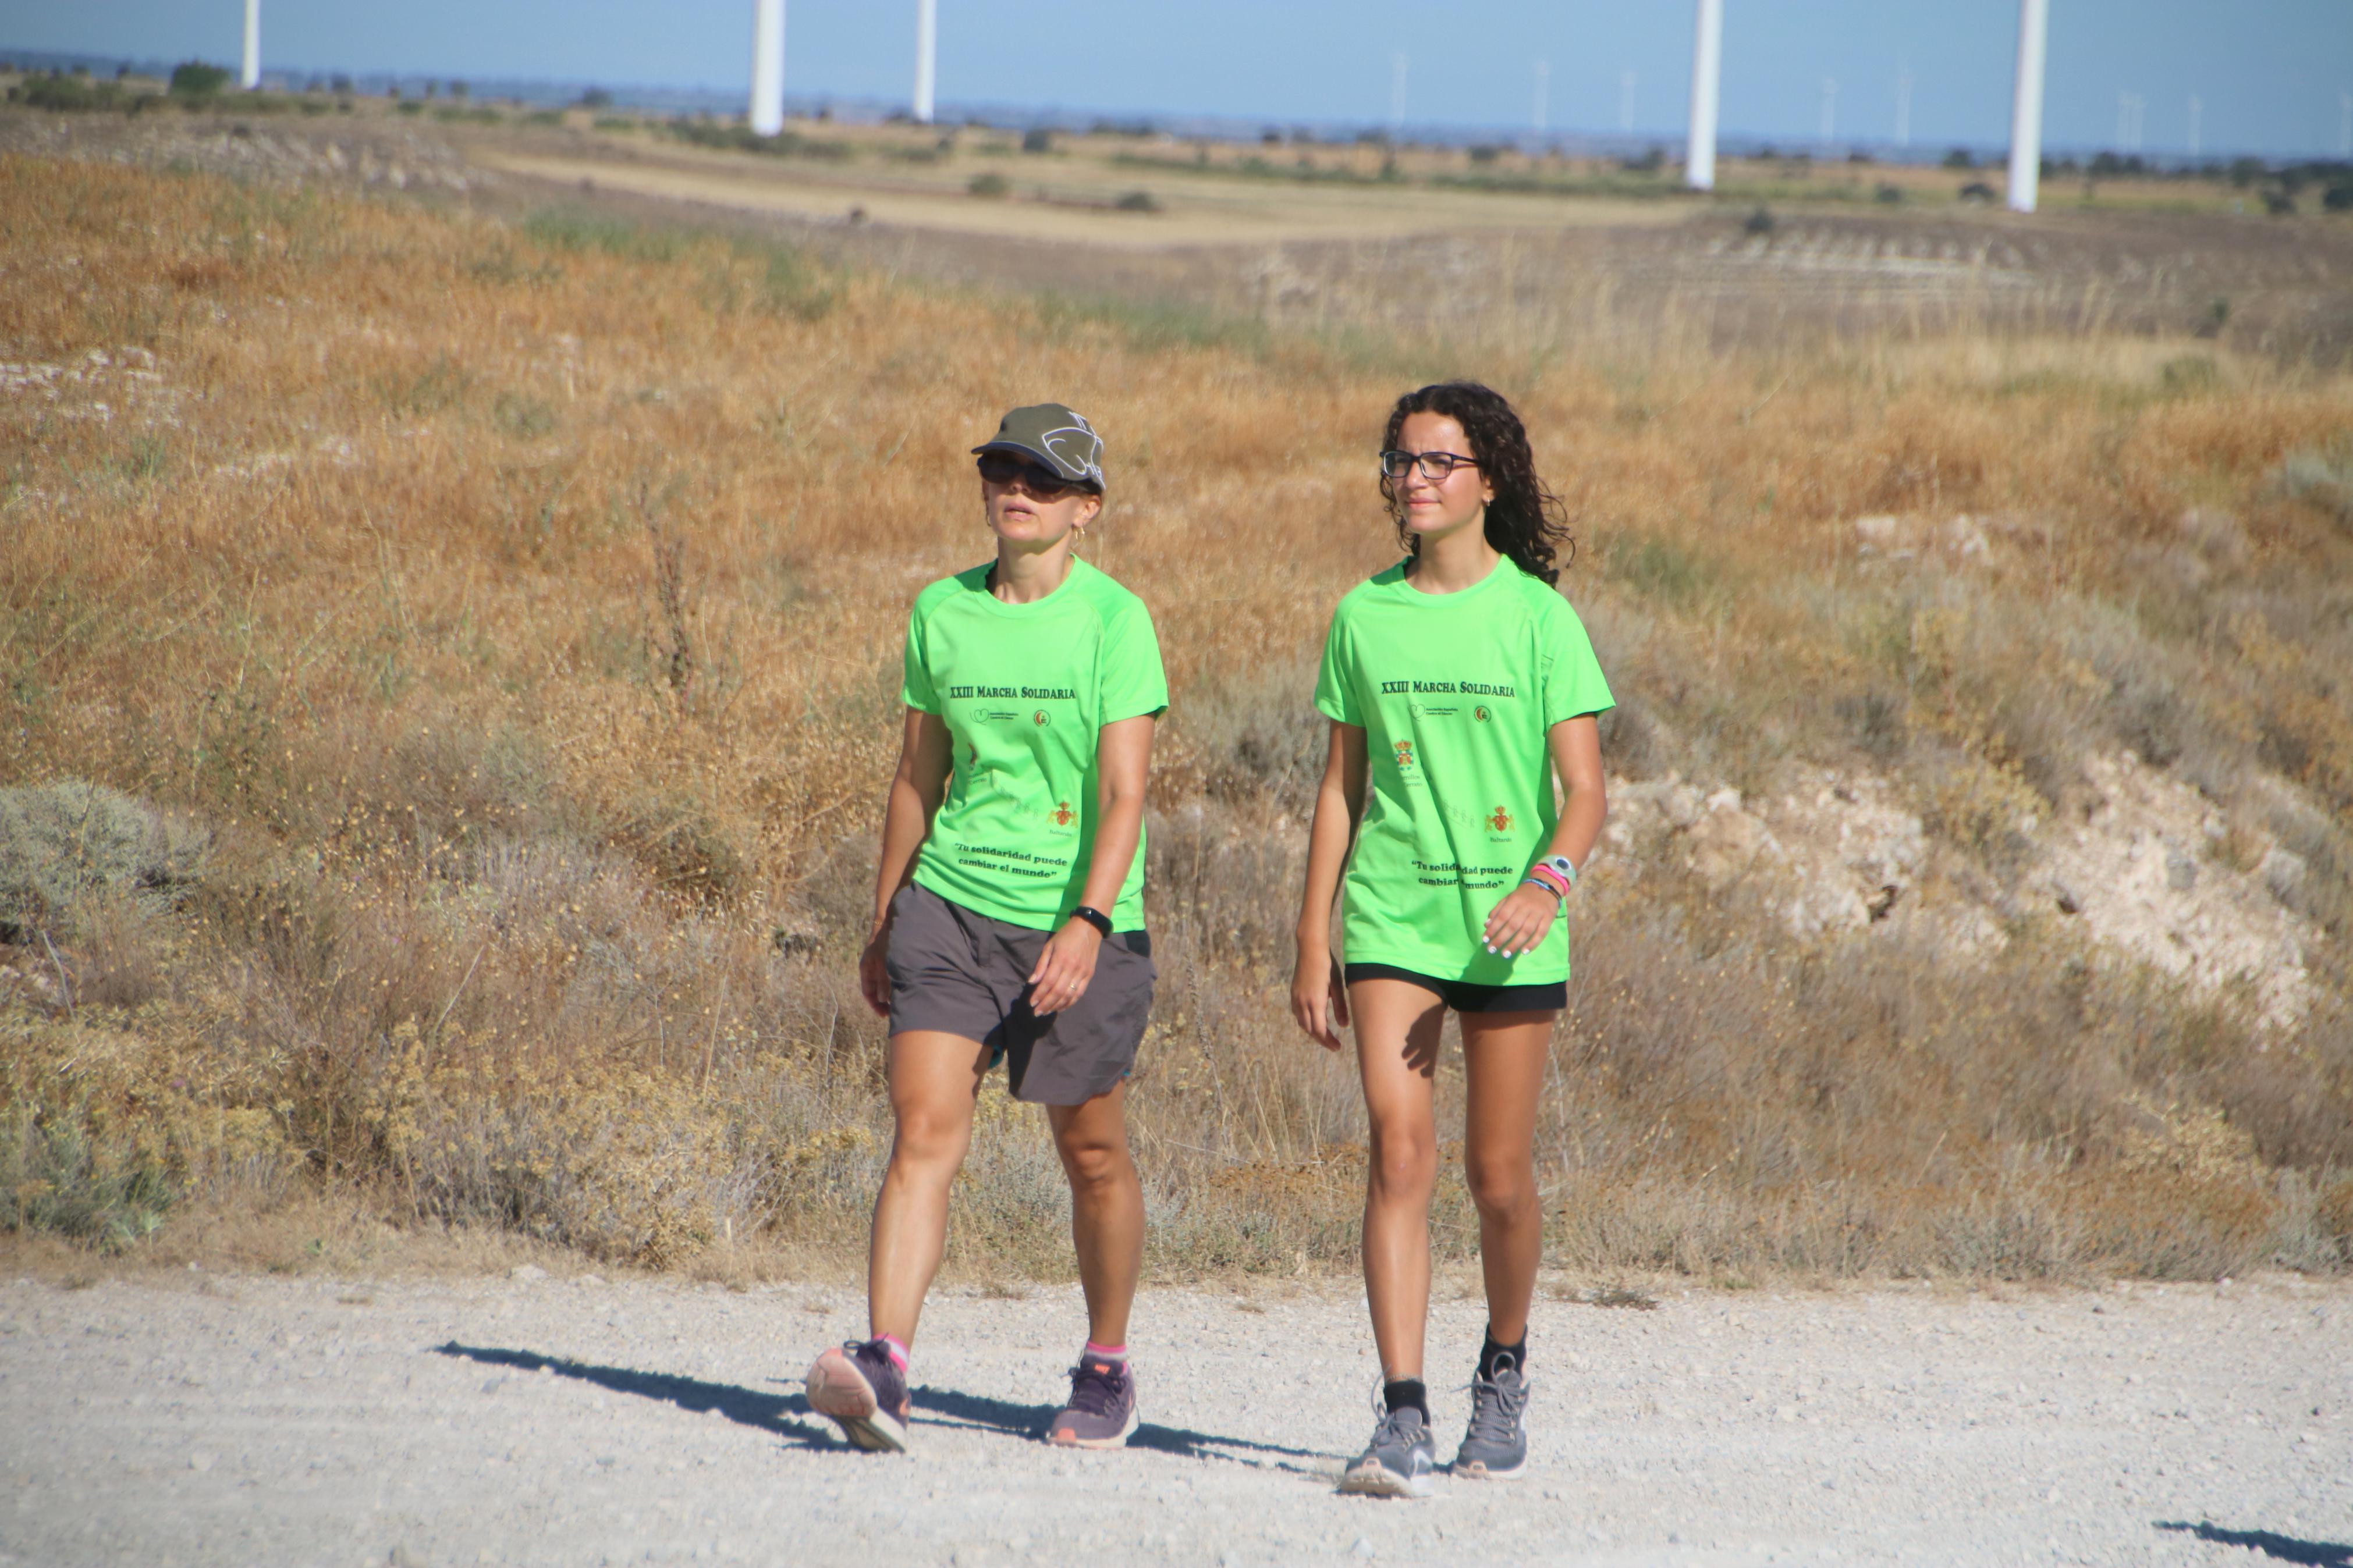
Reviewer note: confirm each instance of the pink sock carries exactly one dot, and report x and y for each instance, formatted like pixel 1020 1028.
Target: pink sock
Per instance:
pixel 1105 1352
pixel 896 1349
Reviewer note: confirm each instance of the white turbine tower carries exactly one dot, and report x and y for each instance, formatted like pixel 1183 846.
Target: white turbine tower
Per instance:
pixel 1397 95
pixel 1904 104
pixel 2345 124
pixel 1544 92
pixel 2026 105
pixel 1626 101
pixel 927 52
pixel 249 76
pixel 1707 73
pixel 1829 109
pixel 767 67
pixel 2197 113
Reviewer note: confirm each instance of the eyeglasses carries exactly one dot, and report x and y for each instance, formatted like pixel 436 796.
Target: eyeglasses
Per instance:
pixel 1005 468
pixel 1437 466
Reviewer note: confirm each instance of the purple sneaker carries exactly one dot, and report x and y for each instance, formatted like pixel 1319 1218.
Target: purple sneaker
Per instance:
pixel 1100 1410
pixel 862 1389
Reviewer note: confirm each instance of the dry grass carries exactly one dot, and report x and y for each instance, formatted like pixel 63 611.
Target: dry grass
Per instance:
pixel 516 611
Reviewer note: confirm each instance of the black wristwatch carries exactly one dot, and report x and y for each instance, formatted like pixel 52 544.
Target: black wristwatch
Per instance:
pixel 1093 916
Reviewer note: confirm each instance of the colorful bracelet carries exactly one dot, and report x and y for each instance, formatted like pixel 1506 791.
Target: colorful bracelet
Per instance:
pixel 1550 880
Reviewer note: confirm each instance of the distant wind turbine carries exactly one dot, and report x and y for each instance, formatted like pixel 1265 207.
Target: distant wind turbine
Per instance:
pixel 927 52
pixel 1829 109
pixel 1904 103
pixel 1707 72
pixel 767 67
pixel 1543 91
pixel 2197 113
pixel 2345 124
pixel 249 76
pixel 1626 101
pixel 2026 105
pixel 1396 94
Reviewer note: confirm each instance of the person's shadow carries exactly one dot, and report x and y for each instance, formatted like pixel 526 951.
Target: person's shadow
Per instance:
pixel 2286 1547
pixel 788 1415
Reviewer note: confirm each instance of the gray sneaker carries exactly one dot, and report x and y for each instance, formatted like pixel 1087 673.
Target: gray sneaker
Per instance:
pixel 1398 1461
pixel 862 1389
pixel 1100 1410
pixel 1495 1448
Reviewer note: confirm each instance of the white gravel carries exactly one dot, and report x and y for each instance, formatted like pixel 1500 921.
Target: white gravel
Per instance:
pixel 285 1420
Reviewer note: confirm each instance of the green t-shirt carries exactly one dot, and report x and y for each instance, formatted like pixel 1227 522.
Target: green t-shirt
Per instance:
pixel 1024 689
pixel 1455 693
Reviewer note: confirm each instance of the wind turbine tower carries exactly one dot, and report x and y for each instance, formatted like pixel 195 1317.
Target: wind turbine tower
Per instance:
pixel 2197 113
pixel 2026 105
pixel 767 67
pixel 249 77
pixel 1904 104
pixel 1626 101
pixel 1707 72
pixel 1829 110
pixel 1397 95
pixel 1544 92
pixel 927 57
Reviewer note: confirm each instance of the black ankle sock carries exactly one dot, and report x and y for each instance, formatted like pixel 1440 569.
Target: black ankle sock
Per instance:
pixel 1406 1391
pixel 1490 1353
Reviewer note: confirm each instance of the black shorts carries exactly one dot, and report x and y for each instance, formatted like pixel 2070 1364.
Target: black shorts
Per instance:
pixel 958 972
pixel 1463 996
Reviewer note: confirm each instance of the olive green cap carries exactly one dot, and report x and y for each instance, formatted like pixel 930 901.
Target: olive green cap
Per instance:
pixel 1057 436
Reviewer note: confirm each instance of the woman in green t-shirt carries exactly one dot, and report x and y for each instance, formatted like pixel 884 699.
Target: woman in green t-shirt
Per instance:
pixel 1008 918
pixel 1458 682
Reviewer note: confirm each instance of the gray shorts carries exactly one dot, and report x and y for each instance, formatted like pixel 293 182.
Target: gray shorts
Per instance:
pixel 963 972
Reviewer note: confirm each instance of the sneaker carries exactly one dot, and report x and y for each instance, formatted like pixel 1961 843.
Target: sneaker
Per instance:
pixel 1399 1459
pixel 1495 1448
pixel 862 1389
pixel 1100 1410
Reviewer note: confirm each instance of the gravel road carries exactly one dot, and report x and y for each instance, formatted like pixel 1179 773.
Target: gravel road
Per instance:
pixel 292 1421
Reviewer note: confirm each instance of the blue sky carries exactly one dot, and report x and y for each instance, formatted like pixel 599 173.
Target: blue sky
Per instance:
pixel 2270 72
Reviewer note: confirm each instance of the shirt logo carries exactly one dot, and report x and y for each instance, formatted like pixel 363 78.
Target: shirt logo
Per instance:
pixel 1500 819
pixel 1063 816
pixel 1481 713
pixel 1039 718
pixel 1405 753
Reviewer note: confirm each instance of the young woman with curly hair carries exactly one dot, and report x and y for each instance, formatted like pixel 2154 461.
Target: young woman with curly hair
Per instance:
pixel 1459 683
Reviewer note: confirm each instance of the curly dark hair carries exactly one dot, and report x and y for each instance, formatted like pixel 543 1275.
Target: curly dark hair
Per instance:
pixel 1526 520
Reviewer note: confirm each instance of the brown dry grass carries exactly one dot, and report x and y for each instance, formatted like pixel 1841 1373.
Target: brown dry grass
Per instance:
pixel 518 611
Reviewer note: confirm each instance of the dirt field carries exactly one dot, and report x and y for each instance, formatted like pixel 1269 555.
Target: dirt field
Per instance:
pixel 564 1421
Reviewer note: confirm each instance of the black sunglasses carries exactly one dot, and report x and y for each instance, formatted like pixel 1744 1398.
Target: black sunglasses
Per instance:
pixel 1005 468
pixel 1437 466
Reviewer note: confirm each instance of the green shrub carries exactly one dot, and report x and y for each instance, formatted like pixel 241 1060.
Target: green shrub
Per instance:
pixel 56 1177
pixel 62 841
pixel 195 80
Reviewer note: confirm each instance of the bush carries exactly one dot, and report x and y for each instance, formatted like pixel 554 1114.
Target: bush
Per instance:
pixel 62 841
pixel 990 185
pixel 1960 158
pixel 1138 201
pixel 1039 139
pixel 195 80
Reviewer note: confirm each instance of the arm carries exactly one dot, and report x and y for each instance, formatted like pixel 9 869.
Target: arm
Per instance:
pixel 1122 762
pixel 1526 914
pixel 1318 1000
pixel 925 751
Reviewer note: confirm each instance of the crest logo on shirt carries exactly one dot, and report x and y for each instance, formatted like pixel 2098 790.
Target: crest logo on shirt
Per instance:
pixel 1405 753
pixel 1039 718
pixel 1063 816
pixel 1481 713
pixel 1500 819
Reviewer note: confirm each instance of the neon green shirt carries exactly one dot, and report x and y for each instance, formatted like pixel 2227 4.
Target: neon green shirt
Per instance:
pixel 1455 693
pixel 1024 689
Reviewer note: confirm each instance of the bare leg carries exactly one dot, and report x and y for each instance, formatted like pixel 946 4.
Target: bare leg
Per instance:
pixel 934 1079
pixel 1107 1207
pixel 1396 1025
pixel 1503 1056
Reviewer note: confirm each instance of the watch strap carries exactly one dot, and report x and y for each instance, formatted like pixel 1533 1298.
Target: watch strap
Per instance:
pixel 1093 916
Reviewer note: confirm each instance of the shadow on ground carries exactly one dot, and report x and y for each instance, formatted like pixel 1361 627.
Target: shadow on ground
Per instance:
pixel 2283 1548
pixel 785 1415
pixel 789 1416
pixel 1029 1421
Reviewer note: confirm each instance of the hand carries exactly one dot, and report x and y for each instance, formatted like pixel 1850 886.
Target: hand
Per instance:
pixel 1064 968
pixel 1521 921
pixel 875 971
pixel 1319 997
